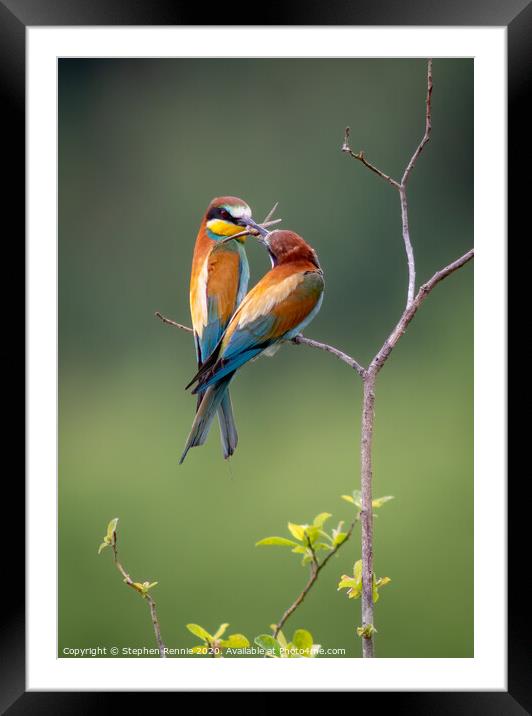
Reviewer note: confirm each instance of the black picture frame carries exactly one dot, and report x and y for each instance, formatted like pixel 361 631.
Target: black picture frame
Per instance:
pixel 15 16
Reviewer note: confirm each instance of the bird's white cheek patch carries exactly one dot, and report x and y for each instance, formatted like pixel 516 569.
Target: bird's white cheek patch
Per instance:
pixel 239 211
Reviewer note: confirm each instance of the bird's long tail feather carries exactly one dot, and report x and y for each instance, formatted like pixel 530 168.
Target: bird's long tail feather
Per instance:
pixel 205 413
pixel 228 432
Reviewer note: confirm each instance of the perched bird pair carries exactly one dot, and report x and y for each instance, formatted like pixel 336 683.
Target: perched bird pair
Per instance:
pixel 232 327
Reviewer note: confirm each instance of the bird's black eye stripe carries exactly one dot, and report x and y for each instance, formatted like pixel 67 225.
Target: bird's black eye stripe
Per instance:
pixel 219 212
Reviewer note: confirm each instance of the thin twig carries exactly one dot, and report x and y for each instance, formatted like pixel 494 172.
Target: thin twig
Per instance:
pixel 361 156
pixel 169 322
pixel 270 213
pixel 428 126
pixel 301 340
pixel 250 231
pixel 147 597
pixel 315 569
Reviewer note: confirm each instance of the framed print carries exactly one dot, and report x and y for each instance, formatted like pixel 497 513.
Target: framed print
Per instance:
pixel 326 190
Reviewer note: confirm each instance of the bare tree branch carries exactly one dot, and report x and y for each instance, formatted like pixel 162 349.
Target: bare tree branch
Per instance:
pixel 369 377
pixel 315 569
pixel 408 246
pixel 402 190
pixel 270 213
pixel 428 126
pixel 169 322
pixel 361 156
pixel 301 340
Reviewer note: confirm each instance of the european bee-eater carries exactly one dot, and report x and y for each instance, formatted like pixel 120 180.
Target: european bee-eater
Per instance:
pixel 218 283
pixel 277 308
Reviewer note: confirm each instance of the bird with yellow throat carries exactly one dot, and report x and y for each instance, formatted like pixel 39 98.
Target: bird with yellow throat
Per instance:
pixel 218 283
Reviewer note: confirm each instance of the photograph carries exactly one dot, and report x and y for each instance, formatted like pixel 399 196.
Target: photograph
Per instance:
pixel 265 357
pixel 266 354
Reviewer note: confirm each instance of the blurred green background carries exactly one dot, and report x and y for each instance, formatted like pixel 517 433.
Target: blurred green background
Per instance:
pixel 143 147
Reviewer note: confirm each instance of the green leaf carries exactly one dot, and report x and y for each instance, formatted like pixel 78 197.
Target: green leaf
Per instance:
pixel 366 631
pixel 110 537
pixel 320 519
pixel 199 632
pixel 322 545
pixel 354 583
pixel 235 641
pixel 298 531
pixel 299 549
pixel 143 587
pixel 347 581
pixel 379 501
pixel 221 631
pixel 111 530
pixel 377 584
pixel 355 498
pixel 339 537
pixel 269 644
pixel 302 640
pixel 281 541
pixel 311 533
pixel 375 589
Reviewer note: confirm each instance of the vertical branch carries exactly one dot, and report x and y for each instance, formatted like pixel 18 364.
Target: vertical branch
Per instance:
pixel 370 375
pixel 428 127
pixel 408 246
pixel 366 515
pixel 402 190
pixel 156 627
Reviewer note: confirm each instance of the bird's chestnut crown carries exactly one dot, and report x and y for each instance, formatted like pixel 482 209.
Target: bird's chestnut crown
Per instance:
pixel 226 215
pixel 286 246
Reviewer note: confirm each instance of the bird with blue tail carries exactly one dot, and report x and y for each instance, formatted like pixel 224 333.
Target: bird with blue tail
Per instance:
pixel 218 283
pixel 276 309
